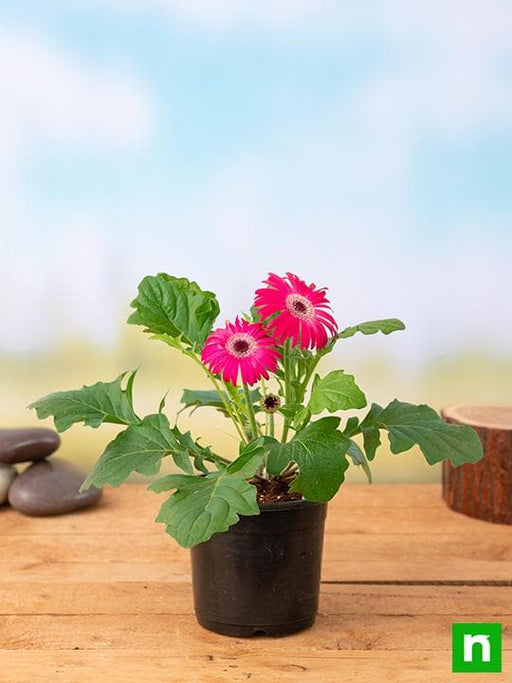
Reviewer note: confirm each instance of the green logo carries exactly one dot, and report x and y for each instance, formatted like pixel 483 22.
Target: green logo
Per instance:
pixel 476 647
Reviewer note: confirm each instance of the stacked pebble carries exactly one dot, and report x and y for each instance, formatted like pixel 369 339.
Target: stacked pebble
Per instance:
pixel 48 486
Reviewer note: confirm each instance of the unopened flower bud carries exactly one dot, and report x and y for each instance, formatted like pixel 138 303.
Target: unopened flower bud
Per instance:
pixel 270 403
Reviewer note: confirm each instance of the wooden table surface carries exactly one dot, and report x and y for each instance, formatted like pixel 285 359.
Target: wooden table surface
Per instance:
pixel 105 595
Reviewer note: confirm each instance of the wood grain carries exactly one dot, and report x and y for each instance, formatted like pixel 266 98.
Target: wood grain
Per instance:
pixel 483 489
pixel 104 595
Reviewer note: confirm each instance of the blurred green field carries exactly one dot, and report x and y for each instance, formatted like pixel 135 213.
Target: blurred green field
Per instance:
pixel 473 378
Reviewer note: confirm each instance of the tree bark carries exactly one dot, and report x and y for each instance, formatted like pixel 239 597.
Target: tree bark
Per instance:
pixel 483 489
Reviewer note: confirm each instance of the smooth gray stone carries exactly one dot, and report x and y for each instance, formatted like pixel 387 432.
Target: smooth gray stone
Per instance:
pixel 27 444
pixel 7 475
pixel 51 487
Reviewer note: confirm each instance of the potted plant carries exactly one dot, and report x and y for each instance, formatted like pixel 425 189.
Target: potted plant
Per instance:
pixel 254 524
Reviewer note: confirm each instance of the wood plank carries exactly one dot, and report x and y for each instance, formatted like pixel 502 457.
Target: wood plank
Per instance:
pixel 142 631
pixel 135 497
pixel 421 511
pixel 54 559
pixel 164 666
pixel 138 548
pixel 176 599
pixel 111 584
pixel 357 520
pixel 369 569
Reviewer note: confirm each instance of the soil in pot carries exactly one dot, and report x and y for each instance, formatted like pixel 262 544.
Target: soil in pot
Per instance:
pixel 274 490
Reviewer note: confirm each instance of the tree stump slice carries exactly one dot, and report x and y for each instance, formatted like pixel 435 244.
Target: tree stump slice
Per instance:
pixel 482 489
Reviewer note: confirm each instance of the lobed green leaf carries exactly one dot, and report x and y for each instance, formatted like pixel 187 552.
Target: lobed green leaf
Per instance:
pixel 410 425
pixel 175 308
pixel 203 398
pixel 320 452
pixel 93 405
pixel 386 326
pixel 336 391
pixel 139 448
pixel 370 432
pixel 202 506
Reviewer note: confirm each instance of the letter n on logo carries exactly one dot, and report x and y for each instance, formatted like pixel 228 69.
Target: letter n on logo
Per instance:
pixel 476 647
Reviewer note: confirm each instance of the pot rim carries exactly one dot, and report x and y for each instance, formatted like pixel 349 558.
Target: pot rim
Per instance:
pixel 282 505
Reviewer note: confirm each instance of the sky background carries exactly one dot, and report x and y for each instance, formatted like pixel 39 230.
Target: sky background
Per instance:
pixel 366 146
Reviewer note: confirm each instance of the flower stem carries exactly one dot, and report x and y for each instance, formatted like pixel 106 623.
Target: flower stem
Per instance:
pixel 238 407
pixel 222 396
pixel 307 377
pixel 227 406
pixel 267 416
pixel 287 385
pixel 250 411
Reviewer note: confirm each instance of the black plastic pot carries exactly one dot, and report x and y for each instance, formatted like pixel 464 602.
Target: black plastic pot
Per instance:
pixel 262 576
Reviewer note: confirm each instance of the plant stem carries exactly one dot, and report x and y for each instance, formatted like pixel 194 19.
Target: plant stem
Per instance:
pixel 250 411
pixel 238 406
pixel 287 385
pixel 271 424
pixel 289 470
pixel 222 396
pixel 216 459
pixel 307 377
pixel 227 406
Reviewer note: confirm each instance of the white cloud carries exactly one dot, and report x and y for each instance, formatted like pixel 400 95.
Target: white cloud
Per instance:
pixel 231 14
pixel 49 95
pixel 50 101
pixel 447 66
pixel 49 98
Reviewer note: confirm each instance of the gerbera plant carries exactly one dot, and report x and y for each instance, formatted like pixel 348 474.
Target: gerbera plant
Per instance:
pixel 263 371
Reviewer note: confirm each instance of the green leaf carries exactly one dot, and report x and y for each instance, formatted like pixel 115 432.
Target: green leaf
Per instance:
pixel 202 506
pixel 351 426
pixel 174 307
pixel 92 405
pixel 320 452
pixel 182 460
pixel 336 391
pixel 199 465
pixel 386 326
pixel 193 450
pixel 256 447
pixel 173 342
pixel 161 405
pixel 139 448
pixel 371 441
pixel 359 459
pixel 199 398
pixel 371 434
pixel 410 424
pixel 289 410
pixel 251 457
pixel 301 418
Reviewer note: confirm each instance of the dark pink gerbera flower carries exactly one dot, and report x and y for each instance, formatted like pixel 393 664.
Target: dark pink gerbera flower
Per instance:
pixel 297 311
pixel 240 346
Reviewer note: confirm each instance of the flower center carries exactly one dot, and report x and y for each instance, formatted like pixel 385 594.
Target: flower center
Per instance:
pixel 241 345
pixel 299 306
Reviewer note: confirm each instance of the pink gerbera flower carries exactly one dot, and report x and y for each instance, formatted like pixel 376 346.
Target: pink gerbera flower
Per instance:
pixel 240 346
pixel 295 311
